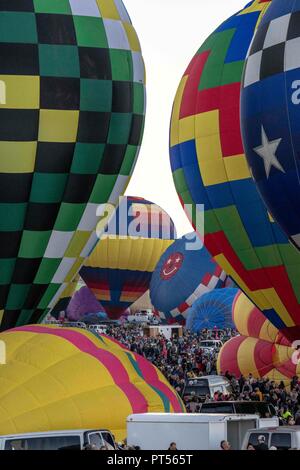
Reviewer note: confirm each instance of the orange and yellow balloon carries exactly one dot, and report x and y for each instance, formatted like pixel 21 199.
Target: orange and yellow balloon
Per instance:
pixel 260 349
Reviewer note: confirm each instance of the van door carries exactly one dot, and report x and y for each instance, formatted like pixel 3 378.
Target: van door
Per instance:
pixel 44 443
pixel 108 440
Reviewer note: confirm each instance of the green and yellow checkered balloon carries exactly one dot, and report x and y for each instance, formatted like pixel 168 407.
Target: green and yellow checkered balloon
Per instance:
pixel 72 106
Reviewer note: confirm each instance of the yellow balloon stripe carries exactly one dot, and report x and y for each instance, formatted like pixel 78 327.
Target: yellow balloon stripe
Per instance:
pixel 257 5
pixel 245 357
pixel 174 132
pixel 139 254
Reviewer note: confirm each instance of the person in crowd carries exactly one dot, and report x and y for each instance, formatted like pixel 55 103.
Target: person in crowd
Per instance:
pixel 261 443
pixel 90 447
pixel 250 447
pixel 173 446
pixel 225 445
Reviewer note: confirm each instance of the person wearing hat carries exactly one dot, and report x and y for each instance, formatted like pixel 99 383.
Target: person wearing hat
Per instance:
pixel 261 443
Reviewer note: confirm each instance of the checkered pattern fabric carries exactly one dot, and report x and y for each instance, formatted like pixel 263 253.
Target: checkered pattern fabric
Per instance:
pixel 275 49
pixel 70 133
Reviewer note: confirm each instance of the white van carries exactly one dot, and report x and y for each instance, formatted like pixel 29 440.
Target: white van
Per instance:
pixel 265 411
pixel 281 437
pixel 206 385
pixel 58 440
pixel 209 345
pixel 74 324
pixel 190 431
pixel 98 329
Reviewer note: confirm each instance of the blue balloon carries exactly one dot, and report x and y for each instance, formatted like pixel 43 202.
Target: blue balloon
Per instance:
pixel 270 113
pixel 212 310
pixel 185 271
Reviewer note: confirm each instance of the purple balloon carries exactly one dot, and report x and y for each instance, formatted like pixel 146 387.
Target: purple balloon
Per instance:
pixel 82 303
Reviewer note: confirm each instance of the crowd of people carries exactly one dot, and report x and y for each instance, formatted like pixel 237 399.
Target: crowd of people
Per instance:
pixel 181 358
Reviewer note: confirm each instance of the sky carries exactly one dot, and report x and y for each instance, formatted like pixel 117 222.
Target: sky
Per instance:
pixel 170 32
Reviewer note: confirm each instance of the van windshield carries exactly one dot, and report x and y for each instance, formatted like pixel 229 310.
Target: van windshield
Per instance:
pixel 263 409
pixel 217 408
pixel 44 443
pixel 197 387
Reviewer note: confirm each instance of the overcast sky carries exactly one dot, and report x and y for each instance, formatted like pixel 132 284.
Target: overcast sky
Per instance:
pixel 170 32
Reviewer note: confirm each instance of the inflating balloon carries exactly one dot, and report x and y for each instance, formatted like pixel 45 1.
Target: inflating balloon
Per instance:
pixel 209 167
pixel 65 298
pixel 184 273
pixel 71 113
pixel 68 378
pixel 212 310
pixel 270 113
pixel 260 349
pixel 82 303
pixel 119 269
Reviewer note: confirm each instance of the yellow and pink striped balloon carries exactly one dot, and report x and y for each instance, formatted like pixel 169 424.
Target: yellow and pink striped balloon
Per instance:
pixel 68 378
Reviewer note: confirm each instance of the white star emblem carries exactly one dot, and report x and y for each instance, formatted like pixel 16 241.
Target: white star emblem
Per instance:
pixel 267 151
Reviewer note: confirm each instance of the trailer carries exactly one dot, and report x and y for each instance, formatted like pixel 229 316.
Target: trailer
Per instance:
pixel 190 431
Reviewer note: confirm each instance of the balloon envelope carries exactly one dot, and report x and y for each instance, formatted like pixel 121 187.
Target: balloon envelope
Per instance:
pixel 209 167
pixel 67 378
pixel 70 131
pixel 260 349
pixel 119 269
pixel 270 114
pixel 212 310
pixel 184 272
pixel 82 302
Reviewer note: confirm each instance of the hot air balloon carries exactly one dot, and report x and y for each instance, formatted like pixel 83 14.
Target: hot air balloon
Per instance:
pixel 67 378
pixel 260 349
pixel 270 114
pixel 71 121
pixel 119 269
pixel 65 298
pixel 184 273
pixel 212 310
pixel 82 303
pixel 209 167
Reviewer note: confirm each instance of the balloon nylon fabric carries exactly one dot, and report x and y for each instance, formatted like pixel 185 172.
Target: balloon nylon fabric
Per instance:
pixel 212 310
pixel 209 167
pixel 70 134
pixel 119 269
pixel 270 113
pixel 173 294
pixel 68 378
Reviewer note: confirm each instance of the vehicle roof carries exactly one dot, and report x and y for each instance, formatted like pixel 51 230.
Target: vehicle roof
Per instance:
pixel 187 417
pixel 47 433
pixel 209 339
pixel 276 428
pixel 213 379
pixel 235 402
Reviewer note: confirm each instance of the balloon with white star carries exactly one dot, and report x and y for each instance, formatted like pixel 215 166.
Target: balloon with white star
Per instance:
pixel 267 151
pixel 270 114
